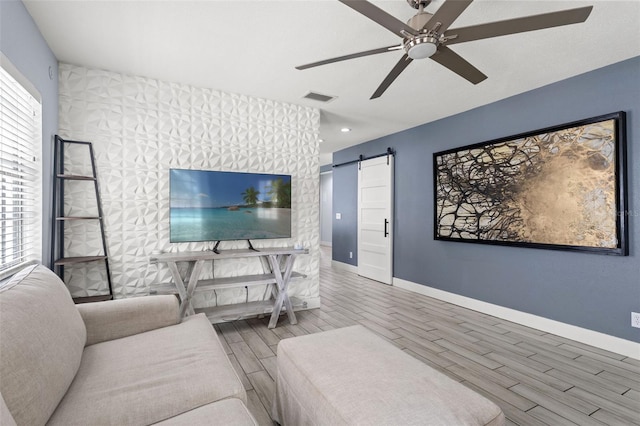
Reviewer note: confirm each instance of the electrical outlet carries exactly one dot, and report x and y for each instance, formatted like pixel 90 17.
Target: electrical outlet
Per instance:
pixel 351 257
pixel 635 319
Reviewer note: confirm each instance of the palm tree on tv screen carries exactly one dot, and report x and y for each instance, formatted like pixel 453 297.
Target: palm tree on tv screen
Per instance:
pixel 250 196
pixel 280 193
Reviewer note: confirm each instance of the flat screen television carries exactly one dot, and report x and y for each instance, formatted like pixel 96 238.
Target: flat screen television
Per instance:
pixel 221 206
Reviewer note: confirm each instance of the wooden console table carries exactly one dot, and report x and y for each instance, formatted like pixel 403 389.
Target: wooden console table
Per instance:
pixel 279 277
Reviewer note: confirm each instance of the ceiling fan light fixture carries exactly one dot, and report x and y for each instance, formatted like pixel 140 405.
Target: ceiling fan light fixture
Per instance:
pixel 421 47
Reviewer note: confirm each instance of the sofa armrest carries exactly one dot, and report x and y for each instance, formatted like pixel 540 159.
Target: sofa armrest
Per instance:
pixel 114 319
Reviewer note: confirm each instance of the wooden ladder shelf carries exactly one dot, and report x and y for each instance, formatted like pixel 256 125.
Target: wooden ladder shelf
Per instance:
pixel 58 259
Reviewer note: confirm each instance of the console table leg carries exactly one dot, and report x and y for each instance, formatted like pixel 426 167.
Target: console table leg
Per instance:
pixel 282 282
pixel 193 282
pixel 277 307
pixel 179 283
pixel 288 269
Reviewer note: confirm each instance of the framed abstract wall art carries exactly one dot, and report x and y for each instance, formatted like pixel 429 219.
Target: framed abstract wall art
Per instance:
pixel 559 188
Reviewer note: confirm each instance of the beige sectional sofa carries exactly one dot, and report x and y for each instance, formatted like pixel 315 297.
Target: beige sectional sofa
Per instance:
pixel 121 362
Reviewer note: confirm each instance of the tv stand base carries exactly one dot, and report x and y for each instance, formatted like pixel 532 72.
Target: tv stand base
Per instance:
pixel 215 247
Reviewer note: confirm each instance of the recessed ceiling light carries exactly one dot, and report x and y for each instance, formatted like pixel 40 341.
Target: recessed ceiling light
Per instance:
pixel 320 140
pixel 345 130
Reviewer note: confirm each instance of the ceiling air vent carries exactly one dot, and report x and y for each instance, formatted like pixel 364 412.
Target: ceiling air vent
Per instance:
pixel 318 97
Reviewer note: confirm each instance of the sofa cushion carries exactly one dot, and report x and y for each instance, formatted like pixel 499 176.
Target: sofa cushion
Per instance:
pixel 42 337
pixel 228 412
pixel 150 377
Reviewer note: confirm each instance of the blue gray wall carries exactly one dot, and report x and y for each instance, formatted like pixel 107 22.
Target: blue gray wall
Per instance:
pixel 596 292
pixel 22 43
pixel 345 195
pixel 326 203
pixel 326 209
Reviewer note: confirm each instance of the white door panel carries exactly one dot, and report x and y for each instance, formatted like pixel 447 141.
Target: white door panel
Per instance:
pixel 375 218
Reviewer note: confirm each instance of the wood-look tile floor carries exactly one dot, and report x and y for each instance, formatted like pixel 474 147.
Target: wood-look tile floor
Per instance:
pixel 536 378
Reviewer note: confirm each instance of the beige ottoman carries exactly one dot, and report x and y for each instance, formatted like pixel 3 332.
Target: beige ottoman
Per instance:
pixel 350 376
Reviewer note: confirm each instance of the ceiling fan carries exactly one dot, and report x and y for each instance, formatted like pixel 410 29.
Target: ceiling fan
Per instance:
pixel 427 35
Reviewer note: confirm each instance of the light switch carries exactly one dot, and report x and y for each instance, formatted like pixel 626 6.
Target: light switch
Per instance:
pixel 338 216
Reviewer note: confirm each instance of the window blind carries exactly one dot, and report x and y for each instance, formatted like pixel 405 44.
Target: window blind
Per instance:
pixel 20 176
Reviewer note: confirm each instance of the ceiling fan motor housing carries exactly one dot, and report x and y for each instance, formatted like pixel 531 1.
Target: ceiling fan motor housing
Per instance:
pixel 419 20
pixel 424 44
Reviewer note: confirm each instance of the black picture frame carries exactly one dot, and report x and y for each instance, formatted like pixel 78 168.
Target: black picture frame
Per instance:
pixel 559 188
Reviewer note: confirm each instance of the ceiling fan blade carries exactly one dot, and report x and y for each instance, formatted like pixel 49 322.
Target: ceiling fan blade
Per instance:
pixel 448 12
pixel 380 16
pixel 395 72
pixel 518 25
pixel 456 63
pixel 351 56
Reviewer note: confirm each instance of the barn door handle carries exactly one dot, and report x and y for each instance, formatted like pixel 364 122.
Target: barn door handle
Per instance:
pixel 386 232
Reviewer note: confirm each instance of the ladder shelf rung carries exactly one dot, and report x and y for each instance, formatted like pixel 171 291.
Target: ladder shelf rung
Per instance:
pixel 78 259
pixel 89 299
pixel 75 177
pixel 79 218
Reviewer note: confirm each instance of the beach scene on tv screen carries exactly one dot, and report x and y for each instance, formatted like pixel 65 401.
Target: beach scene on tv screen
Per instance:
pixel 211 206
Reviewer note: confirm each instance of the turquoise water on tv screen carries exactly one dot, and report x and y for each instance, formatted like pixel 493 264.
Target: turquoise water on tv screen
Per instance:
pixel 213 224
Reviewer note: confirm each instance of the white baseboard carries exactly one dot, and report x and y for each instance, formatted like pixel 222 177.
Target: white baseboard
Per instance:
pixel 579 334
pixel 344 266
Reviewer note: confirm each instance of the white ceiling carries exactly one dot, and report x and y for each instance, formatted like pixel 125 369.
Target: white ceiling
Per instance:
pixel 252 47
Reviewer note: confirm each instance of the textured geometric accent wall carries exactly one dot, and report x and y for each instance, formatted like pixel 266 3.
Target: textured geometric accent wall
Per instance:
pixel 140 128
